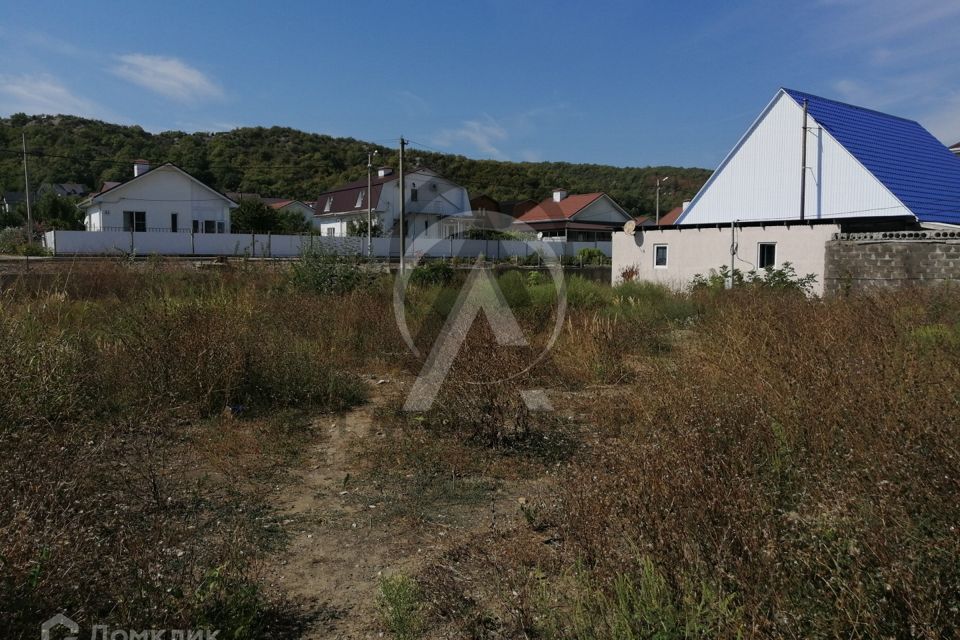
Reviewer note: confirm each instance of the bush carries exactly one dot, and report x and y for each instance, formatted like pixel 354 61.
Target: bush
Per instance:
pixel 400 606
pixel 784 278
pixel 331 274
pixel 432 273
pixel 13 241
pixel 590 256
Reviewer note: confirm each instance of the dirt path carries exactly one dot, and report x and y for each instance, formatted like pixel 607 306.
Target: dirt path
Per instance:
pixel 338 546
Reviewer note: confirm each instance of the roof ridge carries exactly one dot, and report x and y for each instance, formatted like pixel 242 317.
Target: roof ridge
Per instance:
pixel 795 92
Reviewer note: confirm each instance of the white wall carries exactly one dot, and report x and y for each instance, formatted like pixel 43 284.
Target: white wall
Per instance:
pixel 693 250
pixel 264 245
pixel 159 193
pixel 760 179
pixel 201 244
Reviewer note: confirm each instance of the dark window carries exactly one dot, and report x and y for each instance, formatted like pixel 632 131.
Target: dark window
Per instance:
pixel 173 222
pixel 196 226
pixel 767 255
pixel 659 255
pixel 413 193
pixel 209 226
pixel 220 227
pixel 135 221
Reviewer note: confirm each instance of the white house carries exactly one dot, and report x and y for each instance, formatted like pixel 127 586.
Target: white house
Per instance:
pixel 430 198
pixel 585 217
pixel 807 168
pixel 300 208
pixel 165 198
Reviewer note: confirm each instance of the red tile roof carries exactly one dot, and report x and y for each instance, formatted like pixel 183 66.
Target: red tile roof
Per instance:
pixel 550 209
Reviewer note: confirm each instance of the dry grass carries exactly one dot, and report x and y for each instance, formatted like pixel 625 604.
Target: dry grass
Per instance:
pixel 795 476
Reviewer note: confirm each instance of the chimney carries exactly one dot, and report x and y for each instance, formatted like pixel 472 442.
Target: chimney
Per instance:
pixel 383 172
pixel 140 167
pixel 686 203
pixel 559 194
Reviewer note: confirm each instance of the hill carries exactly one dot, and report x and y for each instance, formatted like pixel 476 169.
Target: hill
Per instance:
pixel 281 161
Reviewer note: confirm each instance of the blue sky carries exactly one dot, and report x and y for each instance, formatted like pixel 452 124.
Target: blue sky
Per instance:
pixel 623 83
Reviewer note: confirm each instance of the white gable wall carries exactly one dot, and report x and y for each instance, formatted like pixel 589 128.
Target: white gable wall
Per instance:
pixel 760 179
pixel 601 210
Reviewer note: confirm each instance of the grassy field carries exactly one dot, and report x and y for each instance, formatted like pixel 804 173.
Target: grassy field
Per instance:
pixel 178 446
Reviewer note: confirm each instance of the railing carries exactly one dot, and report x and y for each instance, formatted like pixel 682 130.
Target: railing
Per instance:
pixel 146 230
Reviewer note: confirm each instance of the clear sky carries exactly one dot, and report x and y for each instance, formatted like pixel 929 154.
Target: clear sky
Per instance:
pixel 624 83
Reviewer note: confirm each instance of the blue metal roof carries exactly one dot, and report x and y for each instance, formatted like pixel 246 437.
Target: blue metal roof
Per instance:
pixel 904 156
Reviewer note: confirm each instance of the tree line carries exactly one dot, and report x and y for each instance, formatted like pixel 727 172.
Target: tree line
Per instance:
pixel 284 162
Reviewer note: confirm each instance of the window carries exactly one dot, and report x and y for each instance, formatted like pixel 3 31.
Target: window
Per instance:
pixel 360 199
pixel 659 256
pixel 767 255
pixel 220 227
pixel 413 192
pixel 330 231
pixel 329 205
pixel 209 226
pixel 196 226
pixel 173 223
pixel 134 220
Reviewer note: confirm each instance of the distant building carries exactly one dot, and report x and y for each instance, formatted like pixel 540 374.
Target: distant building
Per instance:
pixel 11 199
pixel 283 204
pixel 666 219
pixel 512 208
pixel 587 217
pixel 63 189
pixel 429 198
pixel 165 198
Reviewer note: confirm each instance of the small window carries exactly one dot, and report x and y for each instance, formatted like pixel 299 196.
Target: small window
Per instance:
pixel 209 226
pixel 767 255
pixel 173 223
pixel 330 231
pixel 220 227
pixel 360 199
pixel 135 221
pixel 413 192
pixel 196 226
pixel 660 256
pixel 327 207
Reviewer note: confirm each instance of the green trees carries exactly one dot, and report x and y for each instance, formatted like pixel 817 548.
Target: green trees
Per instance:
pixel 283 162
pixel 253 216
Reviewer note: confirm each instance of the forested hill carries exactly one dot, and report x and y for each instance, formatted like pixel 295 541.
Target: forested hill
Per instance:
pixel 285 162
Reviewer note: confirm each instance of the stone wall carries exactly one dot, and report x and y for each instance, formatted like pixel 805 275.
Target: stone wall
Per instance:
pixel 858 261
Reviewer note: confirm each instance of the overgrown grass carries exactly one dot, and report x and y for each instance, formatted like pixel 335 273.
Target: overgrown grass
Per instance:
pixel 794 476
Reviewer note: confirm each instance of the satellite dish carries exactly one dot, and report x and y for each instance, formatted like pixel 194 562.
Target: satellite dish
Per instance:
pixel 630 227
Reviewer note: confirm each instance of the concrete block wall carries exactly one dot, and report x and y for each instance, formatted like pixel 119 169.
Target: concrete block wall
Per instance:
pixel 854 262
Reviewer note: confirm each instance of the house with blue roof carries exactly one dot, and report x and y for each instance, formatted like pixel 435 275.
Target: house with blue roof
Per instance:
pixel 807 169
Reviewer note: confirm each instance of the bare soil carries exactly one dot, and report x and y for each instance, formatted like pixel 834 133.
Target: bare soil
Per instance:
pixel 339 545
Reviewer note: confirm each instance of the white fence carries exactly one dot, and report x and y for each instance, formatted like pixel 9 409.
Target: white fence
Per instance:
pixel 261 245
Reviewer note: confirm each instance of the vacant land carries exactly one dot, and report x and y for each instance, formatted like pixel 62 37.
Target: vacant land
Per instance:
pixel 227 449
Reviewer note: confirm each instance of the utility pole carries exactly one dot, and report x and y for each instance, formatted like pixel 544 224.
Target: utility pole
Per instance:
pixel 659 182
pixel 26 188
pixel 370 155
pixel 403 209
pixel 803 165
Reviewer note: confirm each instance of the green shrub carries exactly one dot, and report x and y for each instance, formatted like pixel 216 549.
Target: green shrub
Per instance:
pixel 400 606
pixel 784 278
pixel 331 274
pixel 590 256
pixel 432 273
